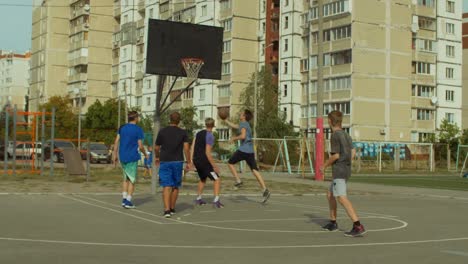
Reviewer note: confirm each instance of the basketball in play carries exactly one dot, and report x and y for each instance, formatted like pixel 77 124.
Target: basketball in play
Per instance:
pixel 223 112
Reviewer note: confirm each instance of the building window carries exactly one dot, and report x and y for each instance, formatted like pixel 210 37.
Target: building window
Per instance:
pixel 164 7
pixel 449 95
pixel 227 25
pixel 148 101
pixel 425 45
pixel 188 95
pixel 424 137
pixel 450 51
pixel 286 44
pixel 314 37
pixel 124 53
pixel 223 133
pixel 226 68
pixel 151 13
pixel 285 67
pixel 450 28
pixel 285 90
pixel 342 57
pixel 202 94
pixel 313 62
pixel 421 68
pixel 226 46
pixel 449 73
pixel 337 33
pixel 202 115
pixel 422 91
pixel 304 65
pixel 427 23
pixel 428 3
pixel 450 6
pixel 286 2
pixel 286 22
pixel 335 8
pixel 337 84
pixel 125 19
pixel 450 117
pixel 343 107
pixel 124 69
pixel 204 10
pixel 225 4
pixel 424 114
pixel 224 91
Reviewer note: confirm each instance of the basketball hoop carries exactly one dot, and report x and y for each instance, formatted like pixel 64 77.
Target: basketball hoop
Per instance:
pixel 192 67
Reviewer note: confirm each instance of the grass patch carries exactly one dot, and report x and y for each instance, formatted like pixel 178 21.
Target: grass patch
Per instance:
pixel 433 182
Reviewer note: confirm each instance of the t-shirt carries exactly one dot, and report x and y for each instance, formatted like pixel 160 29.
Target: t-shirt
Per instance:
pixel 172 139
pixel 341 143
pixel 202 139
pixel 128 146
pixel 149 160
pixel 246 144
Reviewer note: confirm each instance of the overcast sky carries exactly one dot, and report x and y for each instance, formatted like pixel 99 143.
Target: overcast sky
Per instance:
pixel 15 24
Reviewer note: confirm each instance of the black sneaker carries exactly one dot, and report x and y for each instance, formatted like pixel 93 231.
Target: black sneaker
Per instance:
pixel 357 231
pixel 330 226
pixel 167 214
pixel 238 184
pixel 172 211
pixel 266 195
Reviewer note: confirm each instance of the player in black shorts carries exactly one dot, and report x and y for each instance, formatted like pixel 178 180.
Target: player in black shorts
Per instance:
pixel 204 163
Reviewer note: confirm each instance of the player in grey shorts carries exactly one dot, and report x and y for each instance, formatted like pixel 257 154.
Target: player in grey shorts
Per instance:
pixel 342 153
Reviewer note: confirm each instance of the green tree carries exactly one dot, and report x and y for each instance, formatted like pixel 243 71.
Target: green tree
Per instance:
pixel 66 120
pixel 449 133
pixel 272 123
pixel 188 122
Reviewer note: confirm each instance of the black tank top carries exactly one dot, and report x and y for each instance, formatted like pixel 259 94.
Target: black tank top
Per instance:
pixel 199 151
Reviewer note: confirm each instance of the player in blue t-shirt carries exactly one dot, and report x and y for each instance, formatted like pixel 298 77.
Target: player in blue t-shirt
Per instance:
pixel 202 158
pixel 127 143
pixel 246 152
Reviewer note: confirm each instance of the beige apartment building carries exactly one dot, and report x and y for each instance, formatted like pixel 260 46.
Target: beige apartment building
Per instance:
pixel 391 68
pixel 465 71
pixel 14 79
pixel 71 51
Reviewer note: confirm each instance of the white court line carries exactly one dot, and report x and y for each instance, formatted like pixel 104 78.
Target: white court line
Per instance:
pixel 458 253
pixel 112 210
pixel 268 220
pixel 326 208
pixel 82 243
pixel 404 224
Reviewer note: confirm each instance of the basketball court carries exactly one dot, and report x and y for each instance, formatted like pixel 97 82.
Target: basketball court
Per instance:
pixel 93 228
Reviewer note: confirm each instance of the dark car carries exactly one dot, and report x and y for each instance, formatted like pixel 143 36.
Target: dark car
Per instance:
pixel 2 152
pixel 98 152
pixel 59 146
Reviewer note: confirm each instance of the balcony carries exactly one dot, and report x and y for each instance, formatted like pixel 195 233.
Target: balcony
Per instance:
pixel 79 77
pixel 275 13
pixel 78 61
pixel 79 28
pixel 117 28
pixel 422 102
pixel 117 9
pixel 79 12
pixel 115 78
pixel 139 75
pixel 79 45
pixel 141 6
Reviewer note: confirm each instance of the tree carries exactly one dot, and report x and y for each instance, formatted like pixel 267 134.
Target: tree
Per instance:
pixel 449 133
pixel 66 120
pixel 273 124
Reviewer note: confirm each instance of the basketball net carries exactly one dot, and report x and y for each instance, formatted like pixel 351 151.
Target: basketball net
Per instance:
pixel 192 67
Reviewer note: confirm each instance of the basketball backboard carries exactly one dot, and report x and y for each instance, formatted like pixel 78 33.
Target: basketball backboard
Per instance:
pixel 169 42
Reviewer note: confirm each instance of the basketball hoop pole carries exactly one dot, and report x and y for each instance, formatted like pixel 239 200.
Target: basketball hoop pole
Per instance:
pixel 319 139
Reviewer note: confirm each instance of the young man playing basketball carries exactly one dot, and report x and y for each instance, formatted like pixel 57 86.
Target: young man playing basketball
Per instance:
pixel 171 144
pixel 126 145
pixel 246 152
pixel 204 163
pixel 342 153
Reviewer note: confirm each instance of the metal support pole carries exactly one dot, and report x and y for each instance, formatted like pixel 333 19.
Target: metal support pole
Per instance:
pixel 319 137
pixel 42 141
pixel 14 139
pixel 156 128
pixel 380 157
pixel 118 113
pixel 52 143
pixel 88 167
pixel 79 122
pixel 255 101
pixel 5 158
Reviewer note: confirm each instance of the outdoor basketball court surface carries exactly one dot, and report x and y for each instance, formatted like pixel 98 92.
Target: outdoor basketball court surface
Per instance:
pixel 87 228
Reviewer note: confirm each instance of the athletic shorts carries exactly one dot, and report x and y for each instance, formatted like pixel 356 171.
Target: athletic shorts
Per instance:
pixel 338 187
pixel 248 157
pixel 206 171
pixel 170 174
pixel 130 171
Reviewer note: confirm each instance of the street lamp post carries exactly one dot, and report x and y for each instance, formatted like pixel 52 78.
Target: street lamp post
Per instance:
pixel 78 92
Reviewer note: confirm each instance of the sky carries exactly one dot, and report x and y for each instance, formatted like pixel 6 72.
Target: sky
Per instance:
pixel 15 24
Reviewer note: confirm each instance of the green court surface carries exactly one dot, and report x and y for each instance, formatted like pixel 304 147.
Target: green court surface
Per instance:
pixel 94 228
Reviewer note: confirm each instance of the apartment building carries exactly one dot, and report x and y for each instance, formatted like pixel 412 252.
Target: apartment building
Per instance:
pixel 71 51
pixel 465 72
pixel 390 67
pixel 14 79
pixel 240 20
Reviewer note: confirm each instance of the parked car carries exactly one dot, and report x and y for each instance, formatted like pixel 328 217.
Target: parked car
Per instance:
pixel 98 152
pixel 2 152
pixel 57 153
pixel 23 149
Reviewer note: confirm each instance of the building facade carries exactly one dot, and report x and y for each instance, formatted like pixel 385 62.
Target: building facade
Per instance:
pixel 71 51
pixel 14 79
pixel 465 72
pixel 391 68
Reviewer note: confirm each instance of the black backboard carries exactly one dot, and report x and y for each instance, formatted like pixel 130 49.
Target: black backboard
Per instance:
pixel 169 42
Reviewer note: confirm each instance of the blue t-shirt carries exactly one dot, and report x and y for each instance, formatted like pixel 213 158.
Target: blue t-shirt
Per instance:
pixel 246 144
pixel 128 147
pixel 210 139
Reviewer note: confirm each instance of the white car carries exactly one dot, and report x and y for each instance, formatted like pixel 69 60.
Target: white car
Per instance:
pixel 24 149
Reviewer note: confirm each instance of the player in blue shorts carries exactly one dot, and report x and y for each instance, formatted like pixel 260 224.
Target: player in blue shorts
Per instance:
pixel 171 144
pixel 126 145
pixel 204 163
